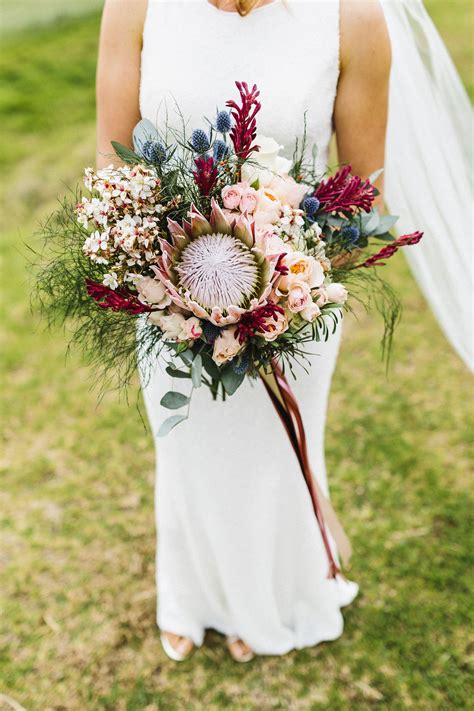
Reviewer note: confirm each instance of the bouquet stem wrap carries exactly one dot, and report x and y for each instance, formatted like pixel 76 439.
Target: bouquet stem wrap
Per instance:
pixel 286 405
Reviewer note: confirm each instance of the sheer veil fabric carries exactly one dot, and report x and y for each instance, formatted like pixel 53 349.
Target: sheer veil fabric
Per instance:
pixel 428 167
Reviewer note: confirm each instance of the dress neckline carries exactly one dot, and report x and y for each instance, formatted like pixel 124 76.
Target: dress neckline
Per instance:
pixel 234 12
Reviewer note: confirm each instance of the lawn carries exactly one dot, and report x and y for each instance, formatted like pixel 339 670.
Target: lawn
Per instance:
pixel 77 629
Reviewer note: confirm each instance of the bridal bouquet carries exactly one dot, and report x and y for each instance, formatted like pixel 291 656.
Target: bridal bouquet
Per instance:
pixel 228 256
pixel 222 257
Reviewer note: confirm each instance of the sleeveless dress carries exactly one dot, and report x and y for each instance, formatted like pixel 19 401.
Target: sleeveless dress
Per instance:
pixel 239 549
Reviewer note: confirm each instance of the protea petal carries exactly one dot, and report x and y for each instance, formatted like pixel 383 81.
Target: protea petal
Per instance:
pixel 218 220
pixel 242 231
pixel 178 234
pixel 200 226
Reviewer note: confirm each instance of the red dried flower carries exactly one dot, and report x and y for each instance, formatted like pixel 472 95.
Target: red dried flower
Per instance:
pixel 119 300
pixel 244 130
pixel 390 249
pixel 254 322
pixel 205 174
pixel 344 192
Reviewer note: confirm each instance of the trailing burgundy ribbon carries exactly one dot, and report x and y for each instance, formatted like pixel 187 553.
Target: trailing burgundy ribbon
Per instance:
pixel 287 408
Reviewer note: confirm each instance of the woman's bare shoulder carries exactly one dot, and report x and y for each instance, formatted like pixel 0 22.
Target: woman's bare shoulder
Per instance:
pixel 125 16
pixel 364 34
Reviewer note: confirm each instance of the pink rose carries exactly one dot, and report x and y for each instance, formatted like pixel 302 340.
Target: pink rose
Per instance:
pixel 248 201
pixel 337 293
pixel 299 296
pixel 311 312
pixel 231 196
pixel 191 329
pixel 270 243
pixel 226 346
pixel 321 296
pixel 171 325
pixel 275 328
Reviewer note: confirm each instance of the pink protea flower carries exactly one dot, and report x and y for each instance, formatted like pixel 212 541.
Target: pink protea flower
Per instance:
pixel 213 269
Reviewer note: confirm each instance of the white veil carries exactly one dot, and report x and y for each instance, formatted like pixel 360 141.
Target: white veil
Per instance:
pixel 429 167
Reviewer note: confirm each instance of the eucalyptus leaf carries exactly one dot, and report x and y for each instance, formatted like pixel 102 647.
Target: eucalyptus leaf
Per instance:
pixel 187 356
pixel 170 423
pixel 386 223
pixel 175 373
pixel 372 222
pixel 174 400
pixel 210 367
pixel 125 153
pixel 230 379
pixel 376 174
pixel 196 371
pixel 144 131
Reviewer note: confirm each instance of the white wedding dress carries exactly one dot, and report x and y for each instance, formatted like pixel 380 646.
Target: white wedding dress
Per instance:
pixel 239 548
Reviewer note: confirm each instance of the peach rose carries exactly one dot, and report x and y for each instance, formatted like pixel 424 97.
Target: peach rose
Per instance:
pixel 311 312
pixel 299 296
pixel 337 293
pixel 275 328
pixel 268 207
pixel 153 292
pixel 288 190
pixel 231 196
pixel 226 346
pixel 301 267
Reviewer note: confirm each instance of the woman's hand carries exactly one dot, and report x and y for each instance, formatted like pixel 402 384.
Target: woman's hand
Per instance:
pixel 118 75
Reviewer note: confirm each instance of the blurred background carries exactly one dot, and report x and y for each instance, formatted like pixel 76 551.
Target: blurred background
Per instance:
pixel 78 540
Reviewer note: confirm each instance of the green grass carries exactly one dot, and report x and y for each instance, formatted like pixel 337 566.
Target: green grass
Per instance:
pixel 78 627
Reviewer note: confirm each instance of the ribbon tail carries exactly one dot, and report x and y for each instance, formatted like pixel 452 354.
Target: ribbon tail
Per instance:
pixel 288 410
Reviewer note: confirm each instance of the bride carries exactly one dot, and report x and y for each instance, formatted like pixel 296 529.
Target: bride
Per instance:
pixel 239 549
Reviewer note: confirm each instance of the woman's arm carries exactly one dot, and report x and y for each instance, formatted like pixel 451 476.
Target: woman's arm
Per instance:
pixel 360 113
pixel 118 75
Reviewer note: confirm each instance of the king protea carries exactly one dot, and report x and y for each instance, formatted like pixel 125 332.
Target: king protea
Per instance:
pixel 212 267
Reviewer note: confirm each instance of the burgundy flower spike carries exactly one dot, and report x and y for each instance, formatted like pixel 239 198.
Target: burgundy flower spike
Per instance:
pixel 205 174
pixel 344 192
pixel 244 130
pixel 390 249
pixel 118 300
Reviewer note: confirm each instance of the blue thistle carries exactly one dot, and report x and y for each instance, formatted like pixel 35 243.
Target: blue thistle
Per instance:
pixel 154 152
pixel 200 141
pixel 311 206
pixel 210 331
pixel 220 151
pixel 350 234
pixel 242 364
pixel 223 121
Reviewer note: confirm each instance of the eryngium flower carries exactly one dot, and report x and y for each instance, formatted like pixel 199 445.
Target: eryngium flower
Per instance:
pixel 212 267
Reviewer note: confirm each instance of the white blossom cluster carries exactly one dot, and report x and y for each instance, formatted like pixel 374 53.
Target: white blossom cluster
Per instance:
pixel 122 218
